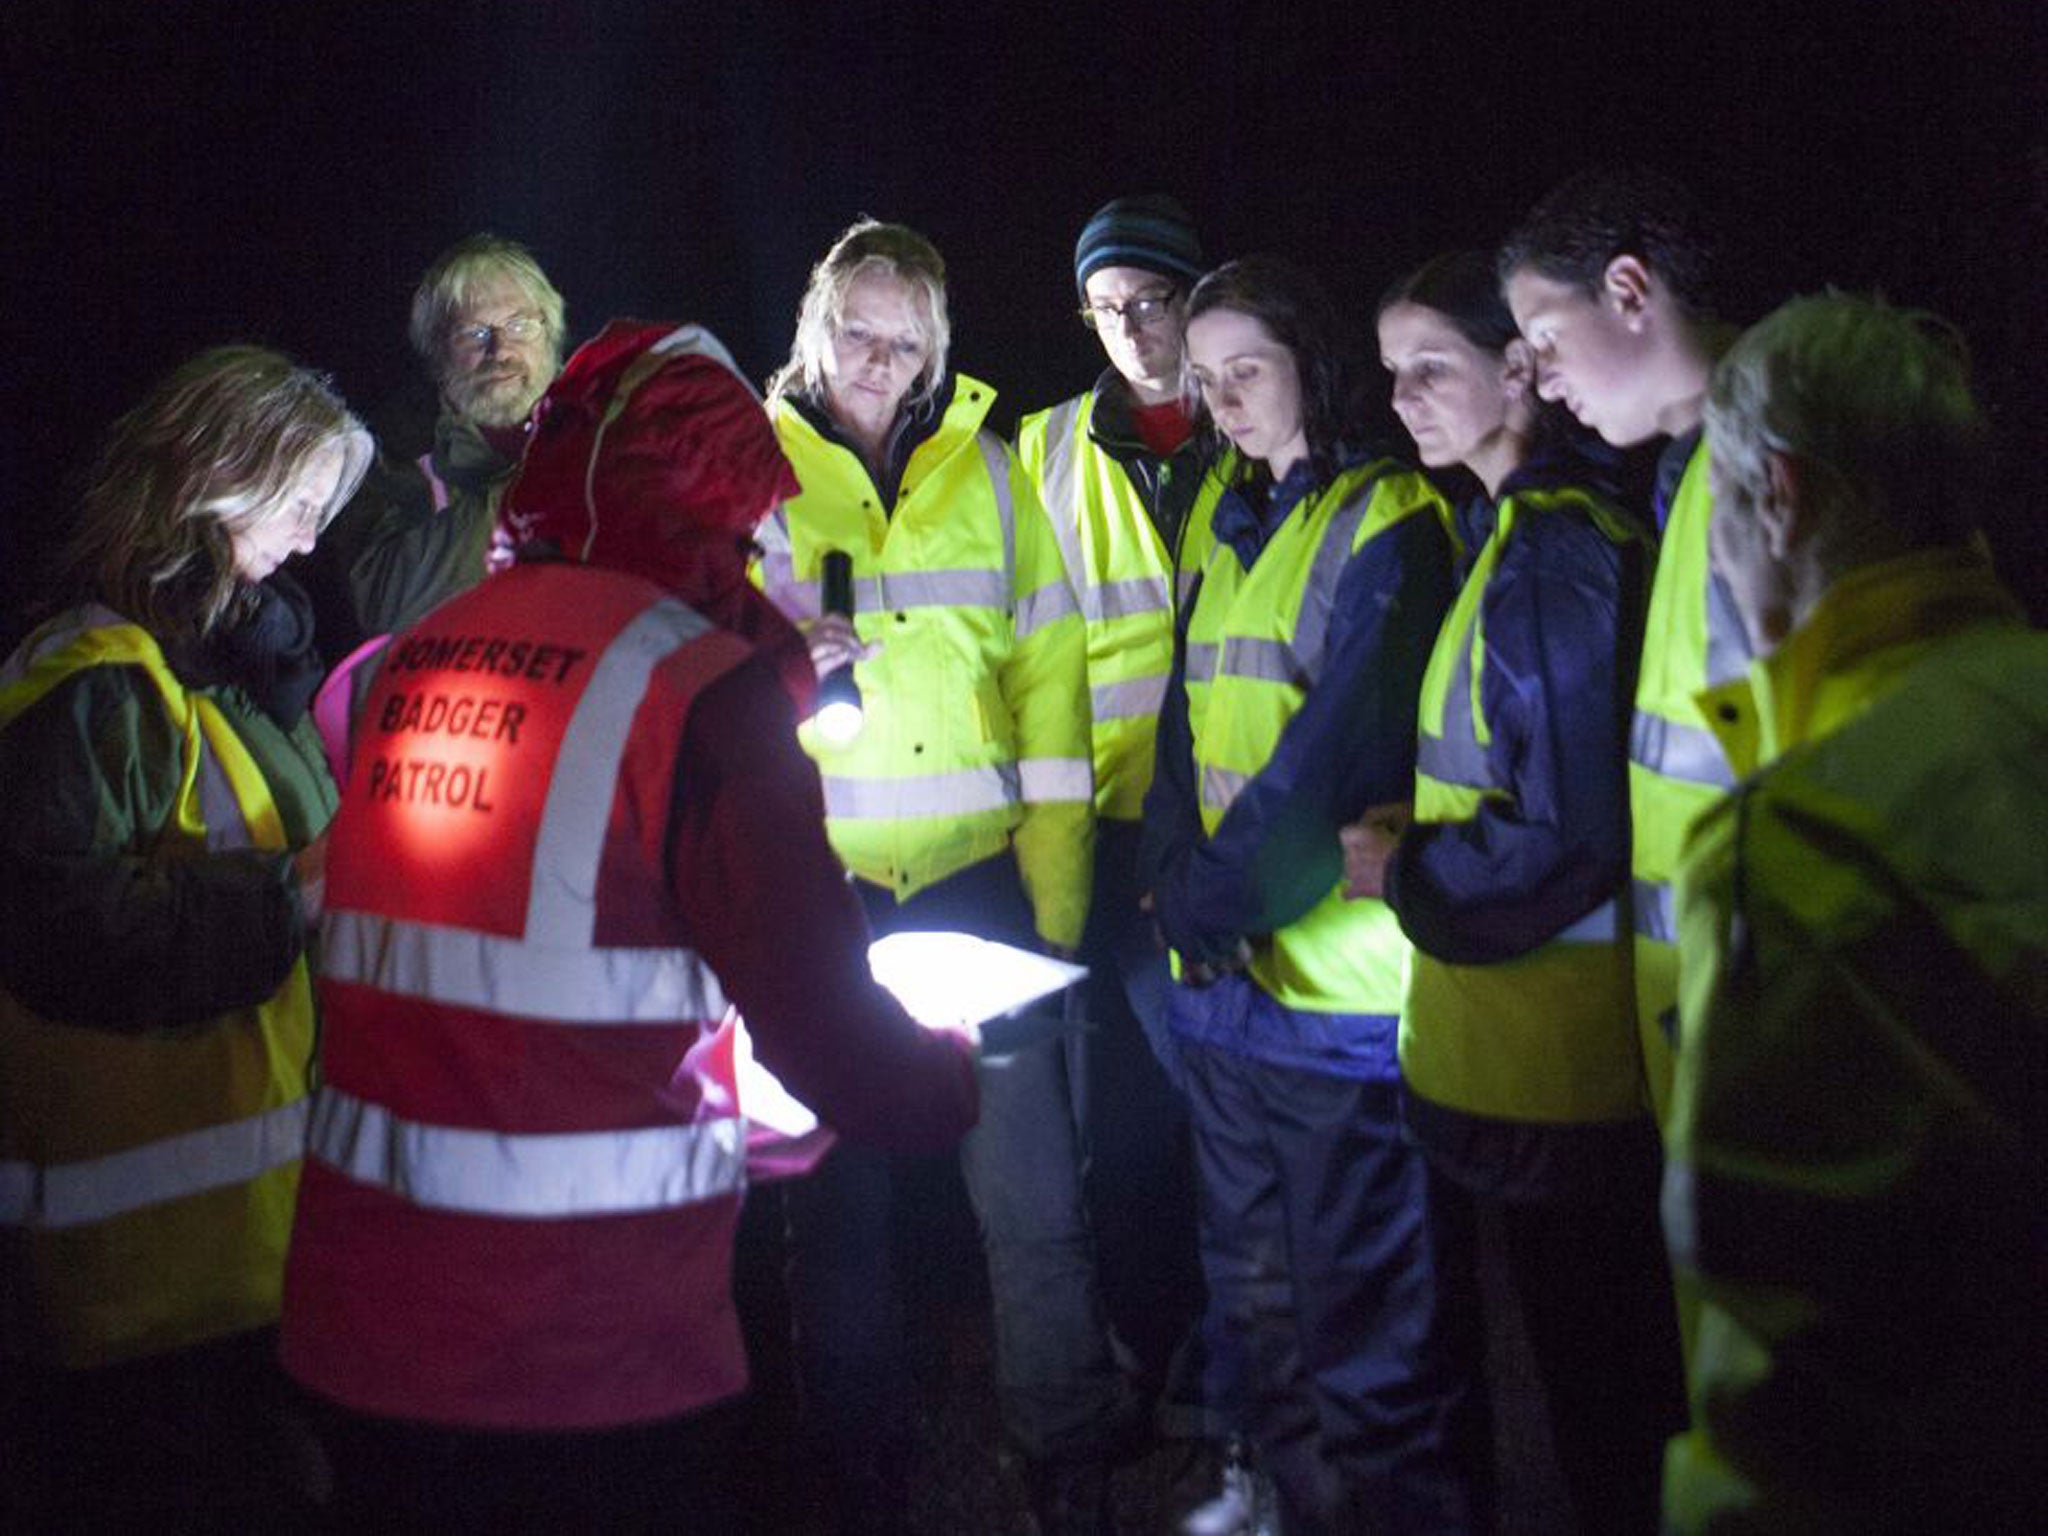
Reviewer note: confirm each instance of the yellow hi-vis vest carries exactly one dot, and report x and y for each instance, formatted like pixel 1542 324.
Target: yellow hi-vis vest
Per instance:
pixel 1676 769
pixel 1254 649
pixel 976 704
pixel 1548 1036
pixel 147 1181
pixel 1123 575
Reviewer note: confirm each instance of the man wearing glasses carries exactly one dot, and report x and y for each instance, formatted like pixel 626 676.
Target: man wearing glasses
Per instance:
pixel 490 328
pixel 1116 469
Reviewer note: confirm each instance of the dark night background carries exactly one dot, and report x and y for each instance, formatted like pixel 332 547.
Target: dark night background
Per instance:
pixel 186 174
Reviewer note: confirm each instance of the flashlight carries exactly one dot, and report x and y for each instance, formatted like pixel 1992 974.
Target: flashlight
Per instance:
pixel 839 712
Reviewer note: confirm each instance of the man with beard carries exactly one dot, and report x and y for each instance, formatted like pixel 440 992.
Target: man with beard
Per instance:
pixel 489 326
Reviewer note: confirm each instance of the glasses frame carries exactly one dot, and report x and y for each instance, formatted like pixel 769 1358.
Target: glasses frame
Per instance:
pixel 1107 317
pixel 479 336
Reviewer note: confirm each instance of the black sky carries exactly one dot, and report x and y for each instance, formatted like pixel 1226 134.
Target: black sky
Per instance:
pixel 186 174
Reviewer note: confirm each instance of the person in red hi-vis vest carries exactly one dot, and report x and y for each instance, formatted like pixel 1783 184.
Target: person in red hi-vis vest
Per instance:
pixel 578 833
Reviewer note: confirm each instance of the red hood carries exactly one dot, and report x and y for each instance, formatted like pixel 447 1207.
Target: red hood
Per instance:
pixel 652 454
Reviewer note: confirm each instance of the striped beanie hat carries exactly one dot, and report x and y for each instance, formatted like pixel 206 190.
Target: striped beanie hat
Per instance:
pixel 1151 231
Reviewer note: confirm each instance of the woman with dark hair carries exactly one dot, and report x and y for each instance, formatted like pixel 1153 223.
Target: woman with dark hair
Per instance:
pixel 1290 710
pixel 1518 1041
pixel 163 801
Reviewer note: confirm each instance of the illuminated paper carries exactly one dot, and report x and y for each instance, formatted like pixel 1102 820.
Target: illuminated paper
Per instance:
pixel 944 981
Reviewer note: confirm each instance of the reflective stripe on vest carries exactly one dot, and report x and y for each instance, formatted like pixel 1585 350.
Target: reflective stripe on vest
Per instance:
pixel 1692 637
pixel 1549 1036
pixel 490 1173
pixel 155 1173
pixel 1138 699
pixel 486 971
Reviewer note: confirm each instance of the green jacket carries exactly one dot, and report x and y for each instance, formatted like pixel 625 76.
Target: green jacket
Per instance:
pixel 156 1014
pixel 1858 1181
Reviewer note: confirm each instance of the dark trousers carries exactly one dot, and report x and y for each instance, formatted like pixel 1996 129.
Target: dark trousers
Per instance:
pixel 1593 1286
pixel 1139 1167
pixel 211 1437
pixel 1321 1260
pixel 1062 1392
pixel 670 1475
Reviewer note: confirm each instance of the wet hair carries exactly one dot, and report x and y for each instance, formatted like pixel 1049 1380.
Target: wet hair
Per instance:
pixel 213 447
pixel 1462 287
pixel 1585 222
pixel 868 246
pixel 1297 312
pixel 453 280
pixel 1877 398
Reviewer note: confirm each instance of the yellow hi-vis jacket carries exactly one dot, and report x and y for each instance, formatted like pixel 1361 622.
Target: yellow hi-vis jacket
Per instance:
pixel 1548 1036
pixel 1124 577
pixel 1856 1187
pixel 1254 644
pixel 1691 637
pixel 147 1181
pixel 976 733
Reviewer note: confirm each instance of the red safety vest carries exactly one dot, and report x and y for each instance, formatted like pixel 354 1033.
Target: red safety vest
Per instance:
pixel 525 1161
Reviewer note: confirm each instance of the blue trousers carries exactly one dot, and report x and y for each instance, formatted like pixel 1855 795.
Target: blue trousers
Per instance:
pixel 1321 1257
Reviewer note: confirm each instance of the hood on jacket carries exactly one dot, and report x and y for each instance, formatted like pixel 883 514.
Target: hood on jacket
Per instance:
pixel 651 454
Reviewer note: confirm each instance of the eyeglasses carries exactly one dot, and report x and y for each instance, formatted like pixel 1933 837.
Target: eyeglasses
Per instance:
pixel 518 328
pixel 1147 310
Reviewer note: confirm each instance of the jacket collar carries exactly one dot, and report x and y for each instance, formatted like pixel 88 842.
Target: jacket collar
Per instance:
pixel 1867 628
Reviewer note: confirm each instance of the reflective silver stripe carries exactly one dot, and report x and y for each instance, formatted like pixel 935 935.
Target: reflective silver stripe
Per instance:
pixel 1139 698
pixel 225 825
pixel 914 589
pixel 1688 752
pixel 495 1173
pixel 1656 910
pixel 1201 660
pixel 561 906
pixel 797 599
pixel 1049 779
pixel 1447 763
pixel 1319 596
pixel 467 969
pixel 936 589
pixel 961 793
pixel 1728 644
pixel 1456 757
pixel 997 458
pixel 155 1173
pixel 1127 598
pixel 1269 661
pixel 1048 605
pixel 1602 925
pixel 1220 786
pixel 1061 488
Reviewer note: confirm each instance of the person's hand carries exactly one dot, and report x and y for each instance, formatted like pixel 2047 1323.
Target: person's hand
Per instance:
pixel 833 643
pixel 309 864
pixel 1368 844
pixel 1205 973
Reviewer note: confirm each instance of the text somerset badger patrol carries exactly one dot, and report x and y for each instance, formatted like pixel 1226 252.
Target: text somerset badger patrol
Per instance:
pixel 457 710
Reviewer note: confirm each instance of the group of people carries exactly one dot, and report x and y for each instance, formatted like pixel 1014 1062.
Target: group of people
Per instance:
pixel 1470 854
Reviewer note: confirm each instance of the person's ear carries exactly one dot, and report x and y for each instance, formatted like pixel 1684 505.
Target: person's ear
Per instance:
pixel 1785 511
pixel 1518 368
pixel 1626 286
